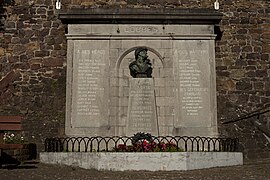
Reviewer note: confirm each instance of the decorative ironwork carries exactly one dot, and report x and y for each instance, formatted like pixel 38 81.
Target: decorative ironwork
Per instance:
pixel 117 143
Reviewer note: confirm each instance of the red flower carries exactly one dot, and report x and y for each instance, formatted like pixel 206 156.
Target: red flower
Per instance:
pixel 145 142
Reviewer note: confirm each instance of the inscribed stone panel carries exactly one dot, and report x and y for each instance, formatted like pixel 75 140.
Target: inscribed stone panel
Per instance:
pixel 90 84
pixel 142 115
pixel 193 83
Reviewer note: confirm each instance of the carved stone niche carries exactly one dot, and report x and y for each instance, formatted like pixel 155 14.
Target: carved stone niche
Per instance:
pixel 181 92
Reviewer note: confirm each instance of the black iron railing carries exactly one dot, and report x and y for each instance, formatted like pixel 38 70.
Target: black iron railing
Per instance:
pixel 126 144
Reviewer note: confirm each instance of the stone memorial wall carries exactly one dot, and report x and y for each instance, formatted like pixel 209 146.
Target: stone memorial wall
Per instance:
pixel 180 100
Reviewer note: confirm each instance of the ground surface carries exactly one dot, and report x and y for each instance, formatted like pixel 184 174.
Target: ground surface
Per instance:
pixel 259 170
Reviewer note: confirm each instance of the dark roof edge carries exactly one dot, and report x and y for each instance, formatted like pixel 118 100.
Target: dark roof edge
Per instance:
pixel 159 16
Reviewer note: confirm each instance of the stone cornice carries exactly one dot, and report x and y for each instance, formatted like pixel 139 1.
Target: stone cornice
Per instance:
pixel 141 16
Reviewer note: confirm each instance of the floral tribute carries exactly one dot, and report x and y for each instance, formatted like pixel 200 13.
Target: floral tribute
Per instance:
pixel 11 138
pixel 144 142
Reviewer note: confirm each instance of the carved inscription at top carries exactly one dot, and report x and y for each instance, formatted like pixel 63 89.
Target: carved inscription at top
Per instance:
pixel 141 29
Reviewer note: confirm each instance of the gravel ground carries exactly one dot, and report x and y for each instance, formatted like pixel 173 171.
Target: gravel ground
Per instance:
pixel 259 170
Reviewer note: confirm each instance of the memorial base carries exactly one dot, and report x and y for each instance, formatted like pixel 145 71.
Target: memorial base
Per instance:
pixel 160 161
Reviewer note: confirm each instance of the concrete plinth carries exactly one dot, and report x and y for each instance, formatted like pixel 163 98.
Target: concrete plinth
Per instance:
pixel 156 161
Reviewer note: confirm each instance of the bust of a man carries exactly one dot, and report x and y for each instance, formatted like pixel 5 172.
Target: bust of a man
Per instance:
pixel 141 67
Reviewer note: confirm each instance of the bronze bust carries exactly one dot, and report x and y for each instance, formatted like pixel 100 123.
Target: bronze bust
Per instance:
pixel 141 67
